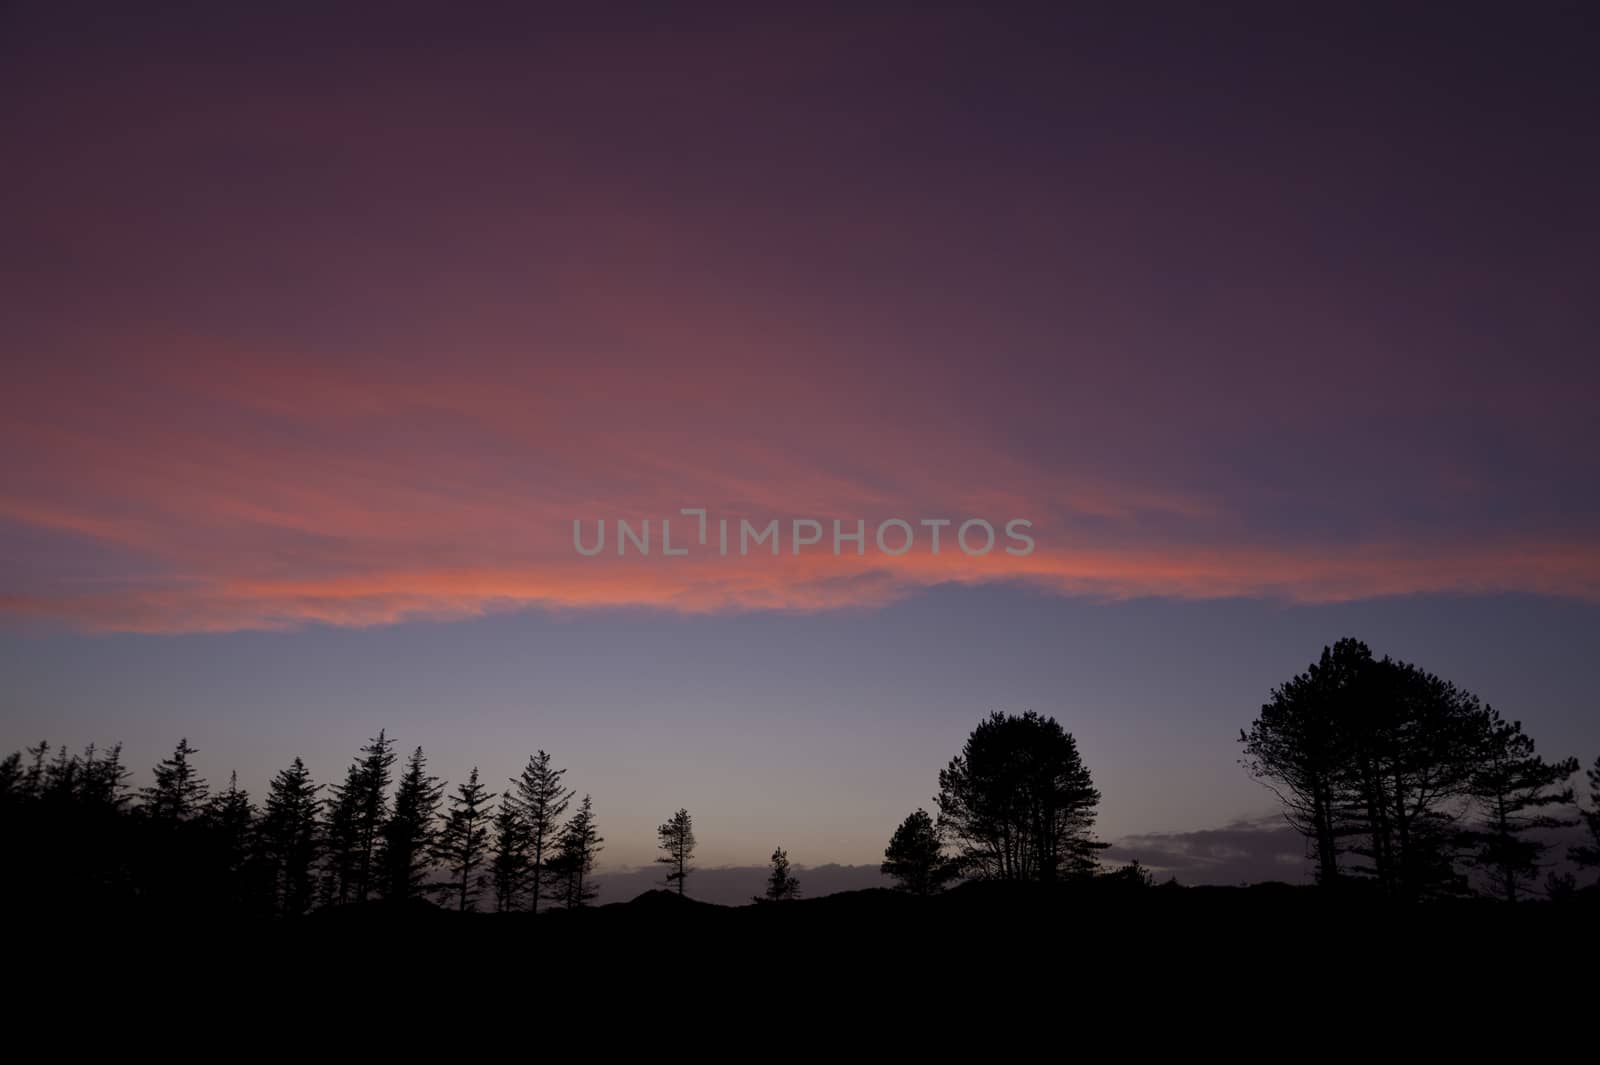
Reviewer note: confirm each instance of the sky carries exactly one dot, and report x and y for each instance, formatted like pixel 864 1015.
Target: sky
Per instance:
pixel 323 326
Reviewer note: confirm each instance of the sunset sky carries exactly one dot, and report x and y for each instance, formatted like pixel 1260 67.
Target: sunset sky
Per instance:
pixel 320 331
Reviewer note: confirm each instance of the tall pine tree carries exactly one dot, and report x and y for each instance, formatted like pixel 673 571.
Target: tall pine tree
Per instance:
pixel 510 863
pixel 406 848
pixel 677 844
pixel 575 857
pixel 781 885
pixel 463 845
pixel 289 839
pixel 178 793
pixel 230 824
pixel 356 817
pixel 542 798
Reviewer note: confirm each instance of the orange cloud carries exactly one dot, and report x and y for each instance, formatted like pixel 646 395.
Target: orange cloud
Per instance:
pixel 233 491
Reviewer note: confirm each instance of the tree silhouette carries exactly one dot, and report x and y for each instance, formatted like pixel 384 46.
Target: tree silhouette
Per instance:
pixel 11 779
pixel 230 824
pixel 541 800
pixel 781 886
pixel 1296 747
pixel 464 842
pixel 64 822
pixel 677 841
pixel 407 842
pixel 170 856
pixel 1416 741
pixel 1020 802
pixel 356 816
pixel 178 793
pixel 1587 854
pixel 1375 760
pixel 510 863
pixel 575 856
pixel 915 856
pixel 105 780
pixel 342 838
pixel 289 839
pixel 1513 786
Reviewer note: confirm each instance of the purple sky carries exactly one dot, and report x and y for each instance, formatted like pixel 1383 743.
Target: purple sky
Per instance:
pixel 321 329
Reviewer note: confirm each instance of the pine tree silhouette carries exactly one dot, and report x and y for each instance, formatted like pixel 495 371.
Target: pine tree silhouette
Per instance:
pixel 510 862
pixel 178 793
pixel 1587 855
pixel 406 846
pixel 575 858
pixel 230 826
pixel 781 887
pixel 677 840
pixel 541 800
pixel 356 816
pixel 1514 787
pixel 290 839
pixel 463 845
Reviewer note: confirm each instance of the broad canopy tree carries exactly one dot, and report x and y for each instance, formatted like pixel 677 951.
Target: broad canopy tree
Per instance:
pixel 1019 803
pixel 1397 776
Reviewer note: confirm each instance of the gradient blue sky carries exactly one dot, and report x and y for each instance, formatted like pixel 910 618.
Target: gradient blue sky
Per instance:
pixel 322 326
pixel 817 731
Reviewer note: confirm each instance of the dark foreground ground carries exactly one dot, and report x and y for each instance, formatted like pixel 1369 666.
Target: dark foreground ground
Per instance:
pixel 977 950
pixel 1082 912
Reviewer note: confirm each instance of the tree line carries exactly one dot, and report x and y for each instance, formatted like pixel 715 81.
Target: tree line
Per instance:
pixel 1399 780
pixel 377 835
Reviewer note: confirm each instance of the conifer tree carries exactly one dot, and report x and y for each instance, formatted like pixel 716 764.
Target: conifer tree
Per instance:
pixel 915 856
pixel 575 857
pixel 781 886
pixel 463 845
pixel 356 817
pixel 677 842
pixel 289 838
pixel 178 793
pixel 33 776
pixel 510 863
pixel 342 841
pixel 1587 854
pixel 105 784
pixel 11 779
pixel 406 847
pixel 542 798
pixel 1513 788
pixel 230 823
pixel 61 778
